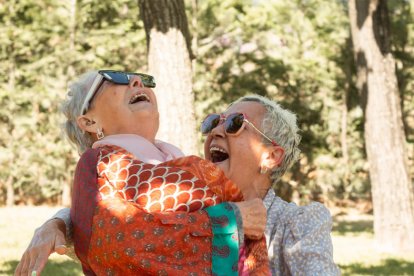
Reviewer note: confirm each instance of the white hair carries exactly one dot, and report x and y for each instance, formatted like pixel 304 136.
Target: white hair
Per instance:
pixel 280 125
pixel 71 108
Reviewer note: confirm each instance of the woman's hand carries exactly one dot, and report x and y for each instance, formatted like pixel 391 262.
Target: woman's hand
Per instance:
pixel 48 238
pixel 253 214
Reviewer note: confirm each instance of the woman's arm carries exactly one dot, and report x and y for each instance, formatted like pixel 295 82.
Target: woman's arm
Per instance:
pixel 308 245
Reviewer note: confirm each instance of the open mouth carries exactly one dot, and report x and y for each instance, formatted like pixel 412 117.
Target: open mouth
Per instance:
pixel 218 154
pixel 139 98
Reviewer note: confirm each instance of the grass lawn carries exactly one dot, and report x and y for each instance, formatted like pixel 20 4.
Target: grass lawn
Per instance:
pixel 354 249
pixel 16 230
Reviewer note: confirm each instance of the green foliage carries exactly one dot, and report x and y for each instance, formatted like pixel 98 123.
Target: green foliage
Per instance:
pixel 43 45
pixel 295 52
pixel 291 51
pixel 31 108
pixel 402 29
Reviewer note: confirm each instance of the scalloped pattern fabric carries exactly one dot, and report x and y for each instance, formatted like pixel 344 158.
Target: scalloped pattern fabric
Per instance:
pixel 160 188
pixel 176 237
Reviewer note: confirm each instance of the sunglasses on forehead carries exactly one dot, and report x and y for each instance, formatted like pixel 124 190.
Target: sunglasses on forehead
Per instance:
pixel 116 77
pixel 233 124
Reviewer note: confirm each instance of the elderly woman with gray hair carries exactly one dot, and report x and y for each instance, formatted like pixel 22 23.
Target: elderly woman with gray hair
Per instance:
pixel 254 141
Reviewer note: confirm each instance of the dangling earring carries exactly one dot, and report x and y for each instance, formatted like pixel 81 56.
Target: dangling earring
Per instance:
pixel 99 133
pixel 263 170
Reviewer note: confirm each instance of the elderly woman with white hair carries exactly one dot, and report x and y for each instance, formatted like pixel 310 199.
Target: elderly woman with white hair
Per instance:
pixel 253 142
pixel 298 238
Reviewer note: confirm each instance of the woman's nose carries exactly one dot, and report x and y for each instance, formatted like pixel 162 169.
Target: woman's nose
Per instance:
pixel 135 81
pixel 218 131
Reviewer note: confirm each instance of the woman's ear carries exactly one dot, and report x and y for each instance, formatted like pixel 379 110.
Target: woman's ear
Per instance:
pixel 87 124
pixel 272 158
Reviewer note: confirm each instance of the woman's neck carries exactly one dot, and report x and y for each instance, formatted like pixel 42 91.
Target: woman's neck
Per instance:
pixel 259 188
pixel 141 148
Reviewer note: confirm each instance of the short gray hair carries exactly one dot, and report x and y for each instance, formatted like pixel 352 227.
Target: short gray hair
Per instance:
pixel 280 125
pixel 71 108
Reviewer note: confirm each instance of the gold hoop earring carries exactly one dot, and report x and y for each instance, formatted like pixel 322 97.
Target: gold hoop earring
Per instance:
pixel 100 134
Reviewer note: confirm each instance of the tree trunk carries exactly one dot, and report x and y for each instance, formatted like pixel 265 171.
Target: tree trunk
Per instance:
pixel 392 190
pixel 344 134
pixel 169 61
pixel 347 70
pixel 10 191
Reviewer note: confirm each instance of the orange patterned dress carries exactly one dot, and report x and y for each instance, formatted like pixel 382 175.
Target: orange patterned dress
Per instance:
pixel 134 218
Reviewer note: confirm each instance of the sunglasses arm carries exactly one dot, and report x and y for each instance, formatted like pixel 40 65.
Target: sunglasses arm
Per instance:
pixel 264 135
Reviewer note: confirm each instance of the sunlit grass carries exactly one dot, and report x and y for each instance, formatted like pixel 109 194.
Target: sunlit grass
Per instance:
pixel 16 230
pixel 355 253
pixel 354 249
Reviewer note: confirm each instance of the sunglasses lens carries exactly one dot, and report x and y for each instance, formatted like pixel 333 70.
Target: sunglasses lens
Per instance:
pixel 123 78
pixel 116 77
pixel 233 123
pixel 210 122
pixel 147 80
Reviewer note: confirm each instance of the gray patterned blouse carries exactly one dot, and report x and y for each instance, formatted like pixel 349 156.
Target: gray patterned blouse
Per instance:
pixel 298 238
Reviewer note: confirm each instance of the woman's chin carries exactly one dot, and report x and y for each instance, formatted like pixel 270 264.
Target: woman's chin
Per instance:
pixel 142 106
pixel 143 111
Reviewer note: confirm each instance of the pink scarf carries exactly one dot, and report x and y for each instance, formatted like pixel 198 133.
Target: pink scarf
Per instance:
pixel 143 149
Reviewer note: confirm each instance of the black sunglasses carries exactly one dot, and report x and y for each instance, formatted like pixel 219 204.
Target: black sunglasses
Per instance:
pixel 233 124
pixel 119 77
pixel 116 77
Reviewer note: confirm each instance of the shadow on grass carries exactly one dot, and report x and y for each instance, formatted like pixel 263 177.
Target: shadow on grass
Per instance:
pixel 52 268
pixel 353 227
pixel 387 267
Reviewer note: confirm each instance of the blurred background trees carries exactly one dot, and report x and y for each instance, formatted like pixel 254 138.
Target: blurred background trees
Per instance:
pixel 392 188
pixel 299 53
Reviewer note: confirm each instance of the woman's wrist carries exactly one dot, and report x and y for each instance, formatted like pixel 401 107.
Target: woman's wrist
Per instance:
pixel 63 222
pixel 253 214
